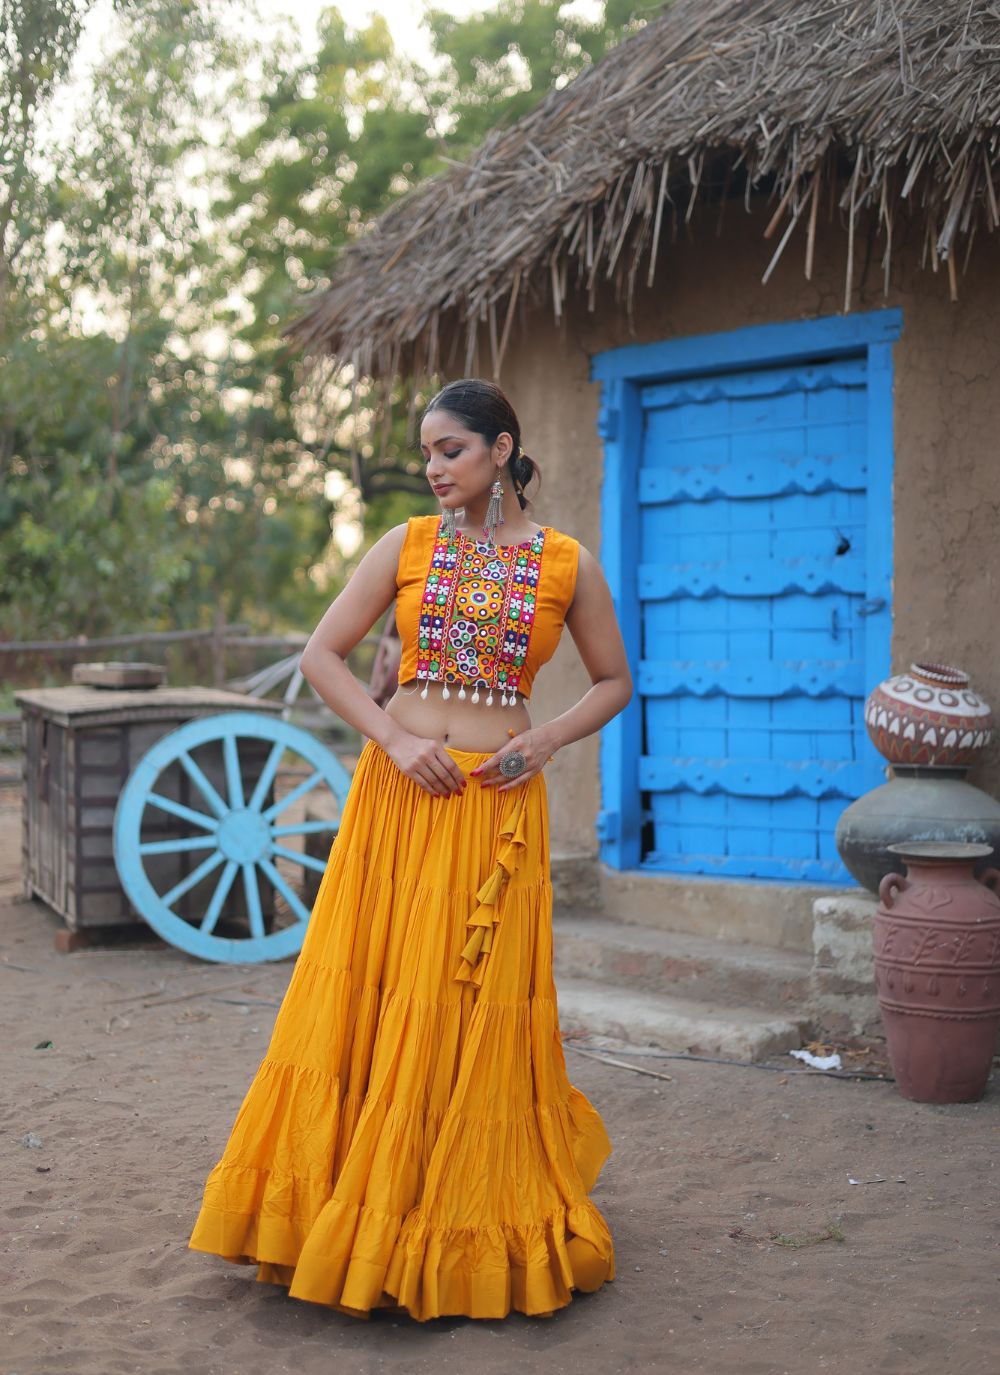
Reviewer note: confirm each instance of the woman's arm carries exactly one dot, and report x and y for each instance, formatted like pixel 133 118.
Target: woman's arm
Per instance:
pixel 346 621
pixel 592 622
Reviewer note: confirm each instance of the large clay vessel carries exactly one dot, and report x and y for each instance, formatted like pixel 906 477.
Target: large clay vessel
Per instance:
pixel 937 971
pixel 917 804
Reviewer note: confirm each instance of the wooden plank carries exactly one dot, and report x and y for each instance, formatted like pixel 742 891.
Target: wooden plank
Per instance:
pixel 760 344
pixel 782 477
pixel 765 578
pixel 757 382
pixel 702 678
pixel 879 542
pixel 829 871
pixel 76 706
pixel 768 778
pixel 619 824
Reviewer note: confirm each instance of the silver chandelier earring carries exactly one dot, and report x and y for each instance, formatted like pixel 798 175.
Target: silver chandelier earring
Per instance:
pixel 493 512
pixel 449 527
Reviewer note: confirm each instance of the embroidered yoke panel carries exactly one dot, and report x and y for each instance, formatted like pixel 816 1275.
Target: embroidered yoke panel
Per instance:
pixel 481 617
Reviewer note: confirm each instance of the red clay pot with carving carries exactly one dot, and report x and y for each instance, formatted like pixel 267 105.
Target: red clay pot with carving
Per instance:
pixel 937 971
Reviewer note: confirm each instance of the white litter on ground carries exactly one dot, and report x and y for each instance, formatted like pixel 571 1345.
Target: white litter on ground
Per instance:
pixel 817 1061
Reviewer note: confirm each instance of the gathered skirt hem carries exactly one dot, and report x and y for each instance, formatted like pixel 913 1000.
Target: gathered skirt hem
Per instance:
pixel 372 1260
pixel 331 1250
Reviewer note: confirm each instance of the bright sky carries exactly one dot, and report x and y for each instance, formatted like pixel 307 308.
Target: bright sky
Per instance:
pixel 404 18
pixel 272 15
pixel 264 17
pixel 403 15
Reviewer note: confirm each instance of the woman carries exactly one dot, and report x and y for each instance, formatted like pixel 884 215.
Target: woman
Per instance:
pixel 411 1140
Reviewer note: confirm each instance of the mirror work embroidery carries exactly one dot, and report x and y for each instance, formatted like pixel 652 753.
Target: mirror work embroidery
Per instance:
pixel 477 612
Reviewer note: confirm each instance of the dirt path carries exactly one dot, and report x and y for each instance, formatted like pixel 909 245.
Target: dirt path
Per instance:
pixel 711 1176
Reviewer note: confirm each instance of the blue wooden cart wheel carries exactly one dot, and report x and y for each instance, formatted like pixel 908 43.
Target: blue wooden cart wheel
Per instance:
pixel 242 835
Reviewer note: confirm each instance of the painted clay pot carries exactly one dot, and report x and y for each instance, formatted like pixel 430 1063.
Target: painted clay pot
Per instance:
pixel 937 971
pixel 928 716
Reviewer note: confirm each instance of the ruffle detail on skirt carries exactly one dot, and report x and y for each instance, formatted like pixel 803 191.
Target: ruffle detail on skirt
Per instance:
pixel 532 1248
pixel 486 914
pixel 485 1271
pixel 263 1197
pixel 328 1247
pixel 372 1258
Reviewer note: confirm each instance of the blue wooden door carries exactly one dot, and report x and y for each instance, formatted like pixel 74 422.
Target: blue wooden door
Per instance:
pixel 752 589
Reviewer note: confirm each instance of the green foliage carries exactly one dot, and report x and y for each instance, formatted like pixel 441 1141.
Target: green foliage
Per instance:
pixel 343 135
pixel 145 484
pixel 89 556
pixel 506 59
pixel 159 459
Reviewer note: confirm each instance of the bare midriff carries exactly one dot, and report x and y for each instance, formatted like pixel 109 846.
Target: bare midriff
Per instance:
pixel 462 724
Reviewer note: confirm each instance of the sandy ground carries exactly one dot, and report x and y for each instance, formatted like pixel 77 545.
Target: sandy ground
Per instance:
pixel 713 1174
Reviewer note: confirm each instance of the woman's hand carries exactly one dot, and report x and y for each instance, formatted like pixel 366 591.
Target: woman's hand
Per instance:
pixel 425 761
pixel 538 746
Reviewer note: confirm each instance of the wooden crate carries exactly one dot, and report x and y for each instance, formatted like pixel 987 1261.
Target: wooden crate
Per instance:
pixel 80 745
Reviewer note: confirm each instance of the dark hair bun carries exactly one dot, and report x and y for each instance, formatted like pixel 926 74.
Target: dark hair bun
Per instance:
pixel 522 470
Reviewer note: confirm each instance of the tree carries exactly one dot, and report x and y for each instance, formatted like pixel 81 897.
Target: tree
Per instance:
pixel 38 40
pixel 49 521
pixel 504 60
pixel 144 488
pixel 163 460
pixel 340 137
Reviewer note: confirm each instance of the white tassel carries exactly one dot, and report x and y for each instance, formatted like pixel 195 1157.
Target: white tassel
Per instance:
pixel 475 693
pixel 423 695
pixel 461 693
pixel 489 700
pixel 445 694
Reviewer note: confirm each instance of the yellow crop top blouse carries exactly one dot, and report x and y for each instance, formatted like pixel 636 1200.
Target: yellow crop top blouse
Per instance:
pixel 482 618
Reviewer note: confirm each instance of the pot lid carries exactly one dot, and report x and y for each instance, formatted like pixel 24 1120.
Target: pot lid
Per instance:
pixel 943 675
pixel 944 851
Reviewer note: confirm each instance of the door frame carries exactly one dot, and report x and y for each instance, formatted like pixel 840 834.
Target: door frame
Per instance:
pixel 622 372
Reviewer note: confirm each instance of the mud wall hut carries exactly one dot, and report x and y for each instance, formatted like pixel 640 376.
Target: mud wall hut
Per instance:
pixel 741 281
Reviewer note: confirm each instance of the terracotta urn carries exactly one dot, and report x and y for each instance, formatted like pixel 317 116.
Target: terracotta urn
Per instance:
pixel 928 716
pixel 937 970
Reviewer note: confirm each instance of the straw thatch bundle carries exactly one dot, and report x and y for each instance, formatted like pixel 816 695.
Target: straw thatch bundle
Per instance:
pixel 879 106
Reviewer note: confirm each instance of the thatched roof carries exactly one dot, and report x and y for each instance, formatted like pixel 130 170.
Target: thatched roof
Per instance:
pixel 872 105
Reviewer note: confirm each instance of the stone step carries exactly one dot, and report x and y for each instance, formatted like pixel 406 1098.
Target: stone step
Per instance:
pixel 640 958
pixel 671 1023
pixel 771 914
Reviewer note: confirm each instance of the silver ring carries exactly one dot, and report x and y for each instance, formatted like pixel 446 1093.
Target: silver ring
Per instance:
pixel 512 763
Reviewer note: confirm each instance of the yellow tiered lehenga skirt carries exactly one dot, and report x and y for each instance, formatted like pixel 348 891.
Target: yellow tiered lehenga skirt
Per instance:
pixel 411 1138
